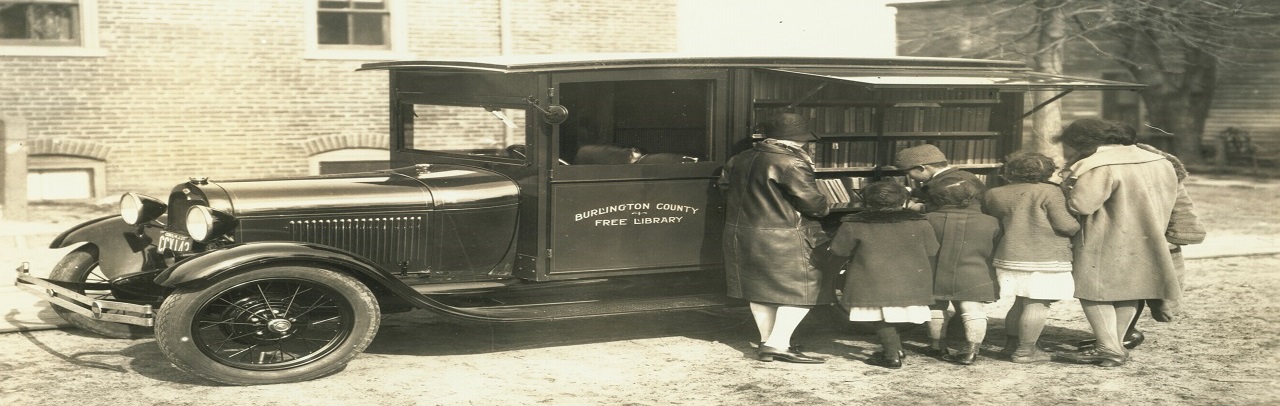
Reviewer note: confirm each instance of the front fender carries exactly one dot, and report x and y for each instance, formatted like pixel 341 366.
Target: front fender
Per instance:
pixel 122 248
pixel 235 258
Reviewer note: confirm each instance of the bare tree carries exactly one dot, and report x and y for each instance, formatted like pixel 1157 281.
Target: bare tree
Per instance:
pixel 1046 123
pixel 1175 47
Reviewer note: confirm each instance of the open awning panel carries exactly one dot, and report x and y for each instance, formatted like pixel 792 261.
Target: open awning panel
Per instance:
pixel 1010 80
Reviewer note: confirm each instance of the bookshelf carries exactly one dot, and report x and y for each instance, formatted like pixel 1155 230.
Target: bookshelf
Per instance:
pixel 861 129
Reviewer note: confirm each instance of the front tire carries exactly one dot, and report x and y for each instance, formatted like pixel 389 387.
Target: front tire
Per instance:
pixel 81 266
pixel 271 325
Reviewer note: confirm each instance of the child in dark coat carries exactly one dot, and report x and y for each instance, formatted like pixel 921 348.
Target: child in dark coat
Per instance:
pixel 890 270
pixel 963 276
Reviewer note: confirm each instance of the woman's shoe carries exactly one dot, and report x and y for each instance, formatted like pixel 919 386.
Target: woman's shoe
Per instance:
pixel 1093 356
pixel 796 348
pixel 768 354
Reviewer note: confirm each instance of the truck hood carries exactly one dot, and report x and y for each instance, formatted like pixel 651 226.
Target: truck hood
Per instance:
pixel 438 187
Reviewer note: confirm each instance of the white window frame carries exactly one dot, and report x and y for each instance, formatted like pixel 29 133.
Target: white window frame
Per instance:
pixel 398 37
pixel 89 46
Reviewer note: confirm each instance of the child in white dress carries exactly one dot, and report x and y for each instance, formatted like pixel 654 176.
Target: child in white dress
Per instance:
pixel 1033 260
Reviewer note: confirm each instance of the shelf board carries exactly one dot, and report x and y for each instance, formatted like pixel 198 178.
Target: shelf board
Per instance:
pixel 977 166
pixel 871 103
pixel 845 169
pixel 919 134
pixel 892 169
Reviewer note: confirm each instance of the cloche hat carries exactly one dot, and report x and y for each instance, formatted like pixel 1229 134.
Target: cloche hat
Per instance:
pixel 787 126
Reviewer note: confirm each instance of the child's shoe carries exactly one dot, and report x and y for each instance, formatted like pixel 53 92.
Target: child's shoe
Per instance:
pixel 880 359
pixel 1030 356
pixel 966 357
pixel 938 349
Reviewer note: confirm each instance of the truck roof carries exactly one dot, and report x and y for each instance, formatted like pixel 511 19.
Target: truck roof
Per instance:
pixel 884 72
pixel 580 62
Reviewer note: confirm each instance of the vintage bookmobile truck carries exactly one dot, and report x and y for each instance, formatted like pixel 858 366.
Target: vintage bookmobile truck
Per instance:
pixel 523 188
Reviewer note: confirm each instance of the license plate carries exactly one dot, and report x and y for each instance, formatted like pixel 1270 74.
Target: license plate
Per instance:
pixel 173 242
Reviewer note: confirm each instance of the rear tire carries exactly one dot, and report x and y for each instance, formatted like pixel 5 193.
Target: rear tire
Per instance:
pixel 270 325
pixel 81 266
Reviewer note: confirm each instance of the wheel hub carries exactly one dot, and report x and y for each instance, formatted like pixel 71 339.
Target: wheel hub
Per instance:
pixel 279 326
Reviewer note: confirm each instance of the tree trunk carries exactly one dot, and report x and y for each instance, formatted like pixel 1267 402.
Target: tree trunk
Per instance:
pixel 1047 123
pixel 1201 80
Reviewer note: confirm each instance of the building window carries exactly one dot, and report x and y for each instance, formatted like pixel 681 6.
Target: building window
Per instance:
pixel 39 23
pixel 356 29
pixel 49 28
pixel 59 184
pixel 64 177
pixel 353 22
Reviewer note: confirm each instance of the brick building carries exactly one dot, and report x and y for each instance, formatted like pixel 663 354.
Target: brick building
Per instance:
pixel 1245 96
pixel 120 95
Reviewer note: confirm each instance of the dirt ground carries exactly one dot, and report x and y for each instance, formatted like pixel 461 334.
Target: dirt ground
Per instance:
pixel 1223 352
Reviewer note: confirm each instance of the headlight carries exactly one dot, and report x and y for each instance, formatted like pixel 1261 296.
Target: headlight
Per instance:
pixel 204 223
pixel 138 208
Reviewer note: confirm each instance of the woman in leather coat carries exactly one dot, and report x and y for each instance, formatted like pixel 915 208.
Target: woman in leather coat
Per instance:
pixel 771 230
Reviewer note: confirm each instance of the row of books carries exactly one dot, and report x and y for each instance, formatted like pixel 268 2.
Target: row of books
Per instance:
pixel 862 154
pixel 843 154
pixel 926 95
pixel 826 120
pixel 961 152
pixel 861 120
pixel 937 119
pixel 841 191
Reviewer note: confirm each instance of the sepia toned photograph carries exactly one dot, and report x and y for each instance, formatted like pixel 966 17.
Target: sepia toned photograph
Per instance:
pixel 671 202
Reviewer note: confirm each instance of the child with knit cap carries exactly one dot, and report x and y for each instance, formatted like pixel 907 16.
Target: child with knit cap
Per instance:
pixel 963 275
pixel 928 165
pixel 890 270
pixel 1033 260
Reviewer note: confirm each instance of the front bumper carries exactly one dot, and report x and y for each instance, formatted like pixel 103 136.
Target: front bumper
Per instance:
pixel 97 309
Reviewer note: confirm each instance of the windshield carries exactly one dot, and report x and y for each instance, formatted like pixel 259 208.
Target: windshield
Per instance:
pixel 486 130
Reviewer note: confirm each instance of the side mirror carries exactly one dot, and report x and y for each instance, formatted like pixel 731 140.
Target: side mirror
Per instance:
pixel 554 114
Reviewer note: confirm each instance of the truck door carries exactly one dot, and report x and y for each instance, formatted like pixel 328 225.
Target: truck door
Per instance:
pixel 633 189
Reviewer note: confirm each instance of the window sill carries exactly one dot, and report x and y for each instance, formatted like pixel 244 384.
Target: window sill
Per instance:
pixel 51 51
pixel 357 55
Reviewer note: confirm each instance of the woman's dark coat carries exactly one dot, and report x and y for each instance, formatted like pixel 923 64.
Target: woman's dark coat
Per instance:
pixel 771 226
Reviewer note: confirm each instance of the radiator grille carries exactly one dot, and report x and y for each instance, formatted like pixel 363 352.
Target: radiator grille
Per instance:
pixel 388 240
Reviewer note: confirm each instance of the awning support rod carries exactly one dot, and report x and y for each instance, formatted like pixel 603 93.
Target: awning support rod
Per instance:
pixel 1042 105
pixel 807 96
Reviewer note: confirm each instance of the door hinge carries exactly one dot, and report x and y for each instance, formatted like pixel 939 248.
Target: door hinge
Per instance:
pixel 548 253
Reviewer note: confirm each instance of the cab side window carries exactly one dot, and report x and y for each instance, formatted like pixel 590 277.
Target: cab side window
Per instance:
pixel 636 122
pixel 480 131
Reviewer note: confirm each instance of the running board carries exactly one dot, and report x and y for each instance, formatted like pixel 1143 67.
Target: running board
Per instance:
pixel 591 308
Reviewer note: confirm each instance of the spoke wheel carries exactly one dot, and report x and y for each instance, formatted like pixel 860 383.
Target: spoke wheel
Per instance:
pixel 272 325
pixel 81 266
